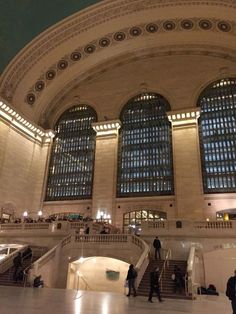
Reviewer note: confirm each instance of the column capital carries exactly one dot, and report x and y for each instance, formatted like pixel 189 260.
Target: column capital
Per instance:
pixel 107 128
pixel 184 117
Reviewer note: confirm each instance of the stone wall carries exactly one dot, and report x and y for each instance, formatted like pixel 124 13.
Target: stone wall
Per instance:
pixel 22 168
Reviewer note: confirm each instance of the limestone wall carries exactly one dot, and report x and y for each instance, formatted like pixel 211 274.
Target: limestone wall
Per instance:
pixel 22 167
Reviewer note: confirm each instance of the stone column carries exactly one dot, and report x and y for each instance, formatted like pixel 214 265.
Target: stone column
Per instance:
pixel 187 165
pixel 105 170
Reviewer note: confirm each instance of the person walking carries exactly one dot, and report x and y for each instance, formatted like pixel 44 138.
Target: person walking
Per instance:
pixel 231 291
pixel 157 247
pixel 131 278
pixel 17 262
pixel 154 285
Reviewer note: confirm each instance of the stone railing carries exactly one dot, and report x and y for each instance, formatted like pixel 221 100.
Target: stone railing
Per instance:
pixel 24 226
pixel 190 228
pixel 55 227
pixel 103 238
pixel 43 265
pixel 162 228
pixel 214 224
pixel 49 255
pixel 143 261
pixel 191 286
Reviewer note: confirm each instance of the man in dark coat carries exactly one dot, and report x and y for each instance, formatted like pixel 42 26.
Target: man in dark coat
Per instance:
pixel 157 247
pixel 231 291
pixel 17 262
pixel 154 285
pixel 27 254
pixel 131 277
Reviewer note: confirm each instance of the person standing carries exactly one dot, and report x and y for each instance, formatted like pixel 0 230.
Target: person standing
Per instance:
pixel 157 247
pixel 154 285
pixel 17 262
pixel 86 229
pixel 231 291
pixel 131 277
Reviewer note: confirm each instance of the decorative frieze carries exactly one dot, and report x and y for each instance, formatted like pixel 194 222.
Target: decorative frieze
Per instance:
pixel 110 39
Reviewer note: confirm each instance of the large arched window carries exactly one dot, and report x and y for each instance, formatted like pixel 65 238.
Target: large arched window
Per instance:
pixel 145 148
pixel 72 159
pixel 217 132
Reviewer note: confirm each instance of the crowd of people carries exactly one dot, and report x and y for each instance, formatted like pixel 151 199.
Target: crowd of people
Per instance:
pixel 51 218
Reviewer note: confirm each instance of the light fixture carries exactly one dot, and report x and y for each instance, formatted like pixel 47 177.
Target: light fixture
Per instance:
pixel 40 213
pixel 25 213
pixel 81 259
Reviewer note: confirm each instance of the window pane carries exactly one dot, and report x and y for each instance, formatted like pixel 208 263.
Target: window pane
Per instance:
pixel 72 158
pixel 145 148
pixel 217 132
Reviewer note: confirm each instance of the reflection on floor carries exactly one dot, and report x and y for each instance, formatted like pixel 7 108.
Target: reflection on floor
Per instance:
pixel 55 301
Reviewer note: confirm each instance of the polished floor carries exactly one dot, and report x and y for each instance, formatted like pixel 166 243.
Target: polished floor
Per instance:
pixel 55 301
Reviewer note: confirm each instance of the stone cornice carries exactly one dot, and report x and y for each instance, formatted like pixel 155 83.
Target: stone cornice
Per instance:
pixel 80 23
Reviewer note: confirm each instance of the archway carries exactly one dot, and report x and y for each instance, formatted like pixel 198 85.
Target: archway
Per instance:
pixel 132 220
pixel 97 273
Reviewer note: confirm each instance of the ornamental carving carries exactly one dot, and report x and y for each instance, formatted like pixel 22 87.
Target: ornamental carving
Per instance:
pixel 198 50
pixel 128 34
pixel 84 21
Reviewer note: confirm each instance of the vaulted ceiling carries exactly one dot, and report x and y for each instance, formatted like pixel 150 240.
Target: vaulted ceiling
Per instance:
pixel 108 52
pixel 22 20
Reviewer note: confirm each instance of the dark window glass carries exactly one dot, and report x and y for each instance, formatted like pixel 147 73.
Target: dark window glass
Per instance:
pixel 72 159
pixel 145 148
pixel 217 132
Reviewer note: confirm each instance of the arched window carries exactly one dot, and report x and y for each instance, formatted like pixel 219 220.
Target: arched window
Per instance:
pixel 72 159
pixel 217 133
pixel 132 221
pixel 145 148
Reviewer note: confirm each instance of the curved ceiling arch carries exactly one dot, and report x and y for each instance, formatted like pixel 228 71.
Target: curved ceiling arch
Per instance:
pixel 133 32
pixel 55 49
pixel 57 103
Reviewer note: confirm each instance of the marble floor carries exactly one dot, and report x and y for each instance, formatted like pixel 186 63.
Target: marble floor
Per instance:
pixel 55 301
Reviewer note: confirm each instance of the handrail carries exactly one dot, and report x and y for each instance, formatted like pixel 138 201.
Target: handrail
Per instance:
pixel 190 273
pixel 86 283
pixel 166 264
pixel 25 271
pixel 25 275
pixel 50 254
pixel 143 261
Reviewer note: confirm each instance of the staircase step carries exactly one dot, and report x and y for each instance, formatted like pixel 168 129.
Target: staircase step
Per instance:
pixel 6 279
pixel 167 282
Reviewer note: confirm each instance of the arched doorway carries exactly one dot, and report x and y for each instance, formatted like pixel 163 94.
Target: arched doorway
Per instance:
pixel 97 273
pixel 132 220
